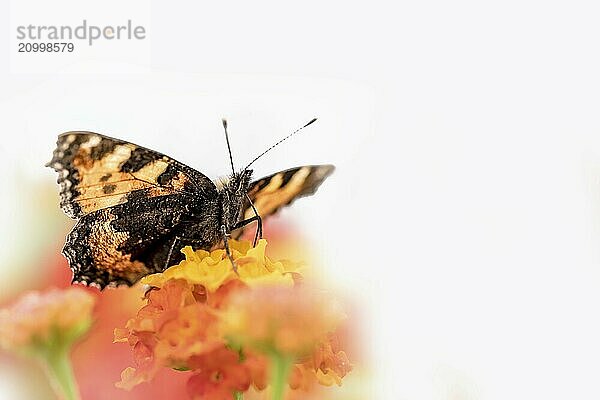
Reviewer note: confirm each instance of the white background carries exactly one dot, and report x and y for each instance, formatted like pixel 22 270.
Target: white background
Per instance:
pixel 464 214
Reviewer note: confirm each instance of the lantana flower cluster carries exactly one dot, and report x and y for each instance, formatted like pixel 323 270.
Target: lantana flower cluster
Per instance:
pixel 259 326
pixel 41 318
pixel 45 326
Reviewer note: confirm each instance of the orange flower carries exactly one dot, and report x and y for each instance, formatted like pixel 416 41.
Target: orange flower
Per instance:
pixel 327 366
pixel 45 326
pixel 179 326
pixel 39 318
pixel 200 316
pixel 295 328
pixel 290 321
pixel 168 331
pixel 218 374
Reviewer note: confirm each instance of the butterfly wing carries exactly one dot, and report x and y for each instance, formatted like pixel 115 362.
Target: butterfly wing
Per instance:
pixel 97 172
pixel 272 192
pixel 130 202
pixel 121 244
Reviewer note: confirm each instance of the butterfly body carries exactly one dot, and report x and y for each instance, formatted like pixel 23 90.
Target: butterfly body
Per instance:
pixel 136 208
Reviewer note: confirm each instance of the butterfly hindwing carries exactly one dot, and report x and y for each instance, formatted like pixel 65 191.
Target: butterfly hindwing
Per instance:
pixel 272 192
pixel 125 242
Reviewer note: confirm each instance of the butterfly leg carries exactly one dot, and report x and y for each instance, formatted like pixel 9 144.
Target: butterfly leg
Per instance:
pixel 258 234
pixel 245 222
pixel 178 241
pixel 226 243
pixel 175 241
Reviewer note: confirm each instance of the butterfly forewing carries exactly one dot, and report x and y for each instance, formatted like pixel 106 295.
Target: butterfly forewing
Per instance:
pixel 97 172
pixel 272 192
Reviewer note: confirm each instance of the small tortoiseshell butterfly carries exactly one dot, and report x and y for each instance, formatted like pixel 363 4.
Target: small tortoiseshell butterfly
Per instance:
pixel 136 208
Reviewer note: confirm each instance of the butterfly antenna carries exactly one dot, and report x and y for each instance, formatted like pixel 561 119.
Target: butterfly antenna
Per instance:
pixel 228 146
pixel 282 140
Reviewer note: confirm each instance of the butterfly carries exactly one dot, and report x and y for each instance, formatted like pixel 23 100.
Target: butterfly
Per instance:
pixel 136 208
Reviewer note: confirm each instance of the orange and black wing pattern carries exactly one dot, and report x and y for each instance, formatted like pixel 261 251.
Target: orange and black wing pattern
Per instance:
pixel 97 172
pixel 272 192
pixel 129 201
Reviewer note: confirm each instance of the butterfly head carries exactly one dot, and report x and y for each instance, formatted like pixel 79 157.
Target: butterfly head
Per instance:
pixel 238 183
pixel 235 192
pixel 233 195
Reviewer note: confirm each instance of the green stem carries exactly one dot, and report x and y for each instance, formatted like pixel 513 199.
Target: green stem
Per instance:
pixel 60 373
pixel 280 369
pixel 238 396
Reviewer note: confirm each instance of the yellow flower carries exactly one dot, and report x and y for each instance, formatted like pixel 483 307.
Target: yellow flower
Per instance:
pixel 213 270
pixel 233 330
pixel 179 325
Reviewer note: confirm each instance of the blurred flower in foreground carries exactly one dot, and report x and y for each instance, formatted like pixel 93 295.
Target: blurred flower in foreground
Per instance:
pixel 233 332
pixel 45 326
pixel 290 326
